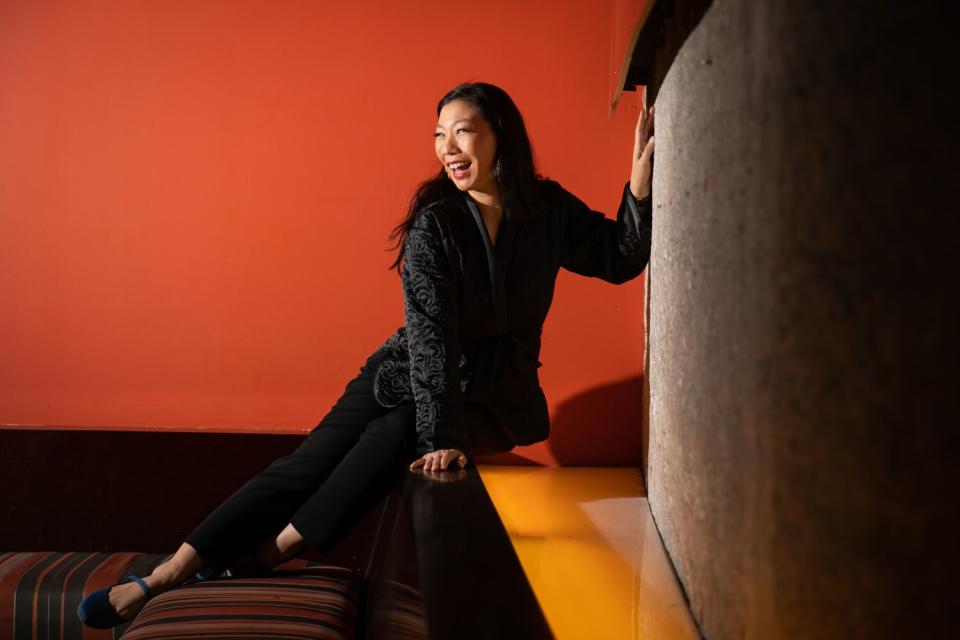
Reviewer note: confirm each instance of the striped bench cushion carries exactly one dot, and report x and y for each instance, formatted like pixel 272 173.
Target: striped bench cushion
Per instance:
pixel 312 602
pixel 40 592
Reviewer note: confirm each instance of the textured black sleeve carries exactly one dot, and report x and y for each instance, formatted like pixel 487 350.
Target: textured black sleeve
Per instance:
pixel 593 245
pixel 432 339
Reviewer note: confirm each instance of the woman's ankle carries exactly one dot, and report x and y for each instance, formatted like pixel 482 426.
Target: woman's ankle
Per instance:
pixel 267 555
pixel 167 575
pixel 277 550
pixel 289 543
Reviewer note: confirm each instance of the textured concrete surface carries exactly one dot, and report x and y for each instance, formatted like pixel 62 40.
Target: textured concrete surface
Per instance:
pixel 803 349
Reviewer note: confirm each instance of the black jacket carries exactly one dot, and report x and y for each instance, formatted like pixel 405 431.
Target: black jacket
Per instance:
pixel 475 311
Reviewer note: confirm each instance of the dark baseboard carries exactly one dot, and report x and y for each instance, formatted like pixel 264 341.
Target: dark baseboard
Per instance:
pixel 121 490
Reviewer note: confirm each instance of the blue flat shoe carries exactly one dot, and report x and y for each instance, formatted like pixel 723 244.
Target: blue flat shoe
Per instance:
pixel 212 573
pixel 96 611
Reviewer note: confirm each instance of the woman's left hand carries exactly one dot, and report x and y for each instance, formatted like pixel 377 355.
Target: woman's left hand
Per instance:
pixel 440 459
pixel 641 173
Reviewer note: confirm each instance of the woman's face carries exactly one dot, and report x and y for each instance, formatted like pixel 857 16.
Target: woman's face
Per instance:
pixel 465 140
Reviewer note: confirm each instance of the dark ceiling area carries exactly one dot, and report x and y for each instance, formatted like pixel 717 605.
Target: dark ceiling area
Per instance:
pixel 662 35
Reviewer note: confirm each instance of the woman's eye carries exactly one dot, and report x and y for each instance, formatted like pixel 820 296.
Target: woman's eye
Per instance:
pixel 437 134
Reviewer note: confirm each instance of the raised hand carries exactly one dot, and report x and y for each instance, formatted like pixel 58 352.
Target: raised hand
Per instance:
pixel 641 171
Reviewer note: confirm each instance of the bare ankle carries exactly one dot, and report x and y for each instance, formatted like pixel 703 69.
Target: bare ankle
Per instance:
pixel 169 574
pixel 289 542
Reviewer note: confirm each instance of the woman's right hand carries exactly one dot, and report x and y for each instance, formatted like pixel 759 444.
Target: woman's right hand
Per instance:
pixel 641 171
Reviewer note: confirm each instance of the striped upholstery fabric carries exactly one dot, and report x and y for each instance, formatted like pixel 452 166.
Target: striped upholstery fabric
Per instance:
pixel 40 592
pixel 313 602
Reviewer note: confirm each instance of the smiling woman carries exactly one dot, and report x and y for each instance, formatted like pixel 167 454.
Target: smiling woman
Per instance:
pixel 456 326
pixel 479 253
pixel 466 147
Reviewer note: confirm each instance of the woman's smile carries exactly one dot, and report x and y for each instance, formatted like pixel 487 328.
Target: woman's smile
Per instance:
pixel 460 170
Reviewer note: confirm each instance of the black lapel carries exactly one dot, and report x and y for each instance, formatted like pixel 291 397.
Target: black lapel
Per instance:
pixel 487 244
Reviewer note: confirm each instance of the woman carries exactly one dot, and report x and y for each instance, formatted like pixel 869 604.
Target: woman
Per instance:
pixel 479 253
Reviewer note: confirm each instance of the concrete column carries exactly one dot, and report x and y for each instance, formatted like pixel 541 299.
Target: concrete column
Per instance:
pixel 803 330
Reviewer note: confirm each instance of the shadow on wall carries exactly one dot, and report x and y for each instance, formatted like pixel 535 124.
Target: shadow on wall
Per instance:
pixel 601 426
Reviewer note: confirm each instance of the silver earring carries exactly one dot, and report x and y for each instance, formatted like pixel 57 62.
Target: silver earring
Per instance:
pixel 498 169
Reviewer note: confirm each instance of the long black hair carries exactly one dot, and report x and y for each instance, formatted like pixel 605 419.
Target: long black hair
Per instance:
pixel 517 176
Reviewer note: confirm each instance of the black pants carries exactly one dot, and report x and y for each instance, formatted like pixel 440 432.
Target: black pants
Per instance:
pixel 313 487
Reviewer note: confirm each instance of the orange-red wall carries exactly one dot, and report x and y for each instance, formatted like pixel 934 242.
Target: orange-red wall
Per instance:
pixel 195 199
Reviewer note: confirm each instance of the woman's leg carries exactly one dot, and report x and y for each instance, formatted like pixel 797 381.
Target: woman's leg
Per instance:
pixel 379 445
pixel 264 504
pixel 128 598
pixel 386 439
pixel 274 550
pixel 249 519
